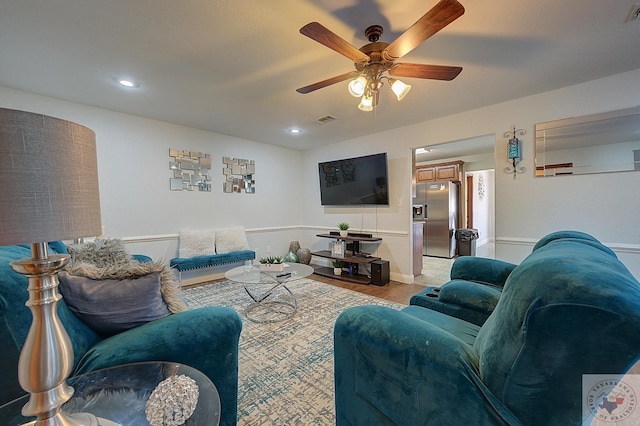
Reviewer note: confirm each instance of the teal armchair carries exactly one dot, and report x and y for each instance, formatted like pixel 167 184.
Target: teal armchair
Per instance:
pixel 570 309
pixel 205 338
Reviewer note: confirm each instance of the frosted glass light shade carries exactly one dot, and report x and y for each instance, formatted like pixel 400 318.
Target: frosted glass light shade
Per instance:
pixel 357 86
pixel 49 179
pixel 400 89
pixel 366 103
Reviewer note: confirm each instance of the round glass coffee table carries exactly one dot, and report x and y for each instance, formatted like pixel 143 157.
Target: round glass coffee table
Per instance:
pixel 272 299
pixel 118 395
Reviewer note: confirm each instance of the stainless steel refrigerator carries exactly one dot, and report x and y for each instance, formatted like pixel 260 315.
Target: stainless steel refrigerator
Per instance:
pixel 440 217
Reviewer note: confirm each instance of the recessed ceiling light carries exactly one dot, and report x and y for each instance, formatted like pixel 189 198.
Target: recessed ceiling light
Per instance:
pixel 295 131
pixel 422 150
pixel 127 83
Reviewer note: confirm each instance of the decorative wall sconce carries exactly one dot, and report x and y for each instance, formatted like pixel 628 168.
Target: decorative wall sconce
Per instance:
pixel 514 151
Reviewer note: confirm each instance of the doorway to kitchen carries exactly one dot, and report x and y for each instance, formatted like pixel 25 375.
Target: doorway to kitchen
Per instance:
pixel 476 199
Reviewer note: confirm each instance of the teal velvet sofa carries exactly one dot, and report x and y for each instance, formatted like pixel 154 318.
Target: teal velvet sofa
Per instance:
pixel 570 309
pixel 204 338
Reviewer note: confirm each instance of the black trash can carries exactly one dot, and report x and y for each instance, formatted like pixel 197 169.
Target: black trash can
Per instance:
pixel 466 241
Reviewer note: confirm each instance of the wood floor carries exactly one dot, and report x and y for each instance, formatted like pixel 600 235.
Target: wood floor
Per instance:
pixel 393 291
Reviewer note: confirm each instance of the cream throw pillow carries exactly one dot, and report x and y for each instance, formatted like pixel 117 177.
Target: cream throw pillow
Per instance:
pixel 231 239
pixel 197 243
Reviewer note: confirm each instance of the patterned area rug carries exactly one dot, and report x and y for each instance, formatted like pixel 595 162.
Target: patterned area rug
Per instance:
pixel 286 368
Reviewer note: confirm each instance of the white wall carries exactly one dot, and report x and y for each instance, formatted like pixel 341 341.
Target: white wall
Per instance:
pixel 484 207
pixel 391 223
pixel 133 166
pixel 604 205
pixel 133 169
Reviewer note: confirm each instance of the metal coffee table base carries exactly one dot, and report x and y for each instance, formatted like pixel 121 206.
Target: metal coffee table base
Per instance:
pixel 271 306
pixel 272 300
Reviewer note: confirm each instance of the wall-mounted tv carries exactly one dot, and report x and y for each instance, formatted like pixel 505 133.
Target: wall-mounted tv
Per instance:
pixel 354 181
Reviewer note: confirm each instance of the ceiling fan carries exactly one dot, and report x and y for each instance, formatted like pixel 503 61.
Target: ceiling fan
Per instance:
pixel 376 59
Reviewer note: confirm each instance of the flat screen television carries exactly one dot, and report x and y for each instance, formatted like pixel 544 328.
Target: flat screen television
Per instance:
pixel 354 181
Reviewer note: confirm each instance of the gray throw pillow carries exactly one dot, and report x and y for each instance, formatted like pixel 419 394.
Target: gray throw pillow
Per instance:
pixel 111 306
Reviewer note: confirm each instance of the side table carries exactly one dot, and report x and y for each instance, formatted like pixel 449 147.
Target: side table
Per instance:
pixel 119 395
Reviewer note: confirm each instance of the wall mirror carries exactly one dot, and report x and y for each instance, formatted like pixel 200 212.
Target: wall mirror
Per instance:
pixel 596 143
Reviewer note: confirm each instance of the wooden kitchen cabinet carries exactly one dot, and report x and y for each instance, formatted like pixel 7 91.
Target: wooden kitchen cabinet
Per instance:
pixel 425 174
pixel 451 171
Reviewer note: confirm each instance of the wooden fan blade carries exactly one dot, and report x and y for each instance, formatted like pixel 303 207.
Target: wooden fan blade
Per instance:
pixel 322 35
pixel 441 15
pixel 433 72
pixel 328 82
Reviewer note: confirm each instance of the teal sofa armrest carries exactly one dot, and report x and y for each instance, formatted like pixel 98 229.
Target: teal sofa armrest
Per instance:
pixel 473 292
pixel 467 300
pixel 205 339
pixel 482 270
pixel 392 368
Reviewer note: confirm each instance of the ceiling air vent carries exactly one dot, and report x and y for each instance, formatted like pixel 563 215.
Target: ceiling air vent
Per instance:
pixel 326 119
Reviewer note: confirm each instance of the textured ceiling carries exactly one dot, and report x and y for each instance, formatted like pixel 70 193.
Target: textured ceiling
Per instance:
pixel 232 67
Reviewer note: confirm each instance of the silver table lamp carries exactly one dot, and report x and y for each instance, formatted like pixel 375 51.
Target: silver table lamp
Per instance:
pixel 49 181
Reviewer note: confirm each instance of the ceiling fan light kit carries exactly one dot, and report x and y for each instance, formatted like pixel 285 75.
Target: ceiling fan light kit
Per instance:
pixel 366 103
pixel 399 88
pixel 357 86
pixel 376 60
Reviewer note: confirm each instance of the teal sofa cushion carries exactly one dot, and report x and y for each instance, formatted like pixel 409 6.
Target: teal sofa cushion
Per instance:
pixel 463 330
pixel 188 263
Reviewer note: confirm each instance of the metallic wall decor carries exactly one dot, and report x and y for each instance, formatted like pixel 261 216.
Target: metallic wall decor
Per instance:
pixel 514 151
pixel 190 170
pixel 238 175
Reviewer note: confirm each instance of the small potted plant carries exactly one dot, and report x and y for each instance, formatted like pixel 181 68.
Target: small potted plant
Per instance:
pixel 343 227
pixel 337 267
pixel 271 263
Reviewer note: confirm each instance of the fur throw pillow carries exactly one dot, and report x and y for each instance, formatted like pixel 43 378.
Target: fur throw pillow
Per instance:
pixel 100 253
pixel 229 240
pixel 197 243
pixel 108 259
